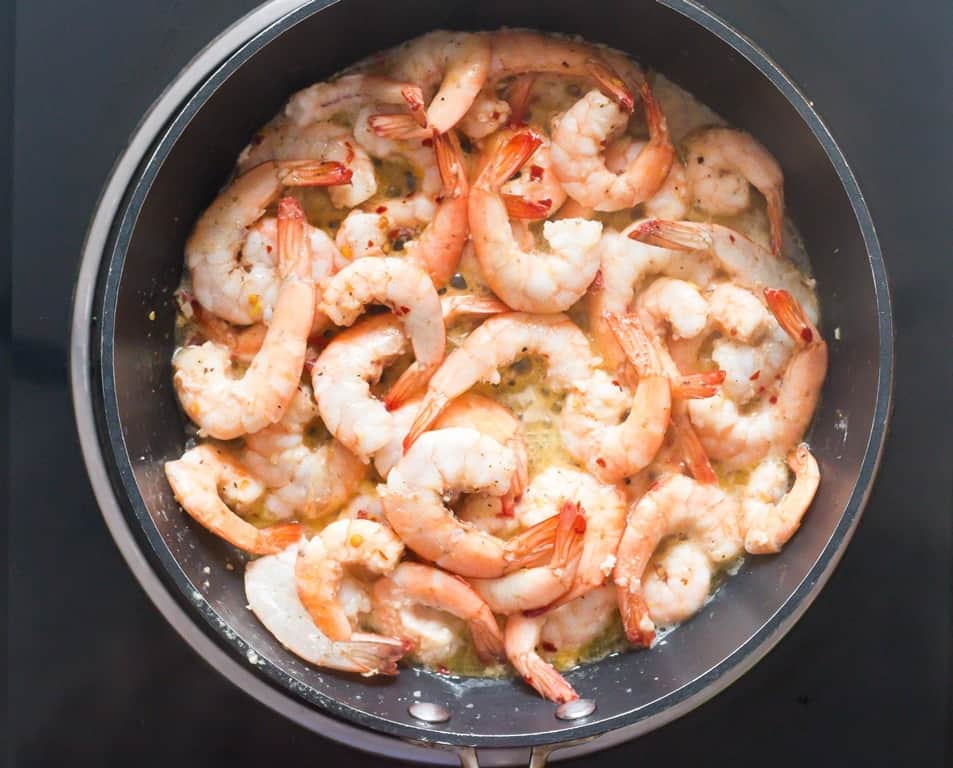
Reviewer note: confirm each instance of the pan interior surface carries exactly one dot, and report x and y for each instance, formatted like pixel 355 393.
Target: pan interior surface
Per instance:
pixel 142 426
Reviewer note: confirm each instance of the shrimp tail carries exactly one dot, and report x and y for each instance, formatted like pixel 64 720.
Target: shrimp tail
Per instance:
pixel 374 654
pixel 308 173
pixel 403 127
pixel 611 84
pixel 517 96
pixel 533 547
pixel 676 235
pixel 790 316
pixel 635 342
pixel 430 408
pixel 509 158
pixel 530 210
pixel 693 452
pixel 468 304
pixel 544 678
pixel 272 540
pixel 697 386
pixel 487 638
pixel 413 97
pixel 639 627
pixel 408 384
pixel 453 174
pixel 294 255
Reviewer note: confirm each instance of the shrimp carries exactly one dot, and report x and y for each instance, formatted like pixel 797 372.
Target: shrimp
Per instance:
pixel 365 506
pixel 281 140
pixel 769 522
pixel 409 293
pixel 494 420
pixel 302 478
pixel 535 192
pixel 204 479
pixel 323 101
pixel 454 64
pixel 451 460
pixel 677 583
pixel 522 636
pixel 486 115
pixel 342 378
pixel 672 199
pixel 579 136
pixel 271 592
pixel 500 341
pixel 721 162
pixel 521 52
pixel 777 424
pixel 605 520
pixel 612 450
pixel 398 138
pixel 319 569
pixel 412 583
pixel 226 407
pixel 532 281
pixel 538 587
pixel 750 265
pixel 219 282
pixel 676 505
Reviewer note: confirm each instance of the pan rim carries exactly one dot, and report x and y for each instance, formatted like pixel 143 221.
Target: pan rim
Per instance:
pixel 231 49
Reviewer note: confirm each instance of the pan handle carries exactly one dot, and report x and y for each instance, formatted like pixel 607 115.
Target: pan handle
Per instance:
pixel 538 756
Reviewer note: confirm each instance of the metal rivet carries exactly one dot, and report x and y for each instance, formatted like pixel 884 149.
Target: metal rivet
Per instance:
pixel 573 710
pixel 429 712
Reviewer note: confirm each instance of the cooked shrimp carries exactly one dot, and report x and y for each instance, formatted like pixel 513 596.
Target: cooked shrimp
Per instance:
pixel 219 281
pixel 457 460
pixel 521 638
pixel 284 141
pixel 750 265
pixel 424 585
pixel 323 101
pixel 721 162
pixel 677 583
pixel 365 506
pixel 454 64
pixel 486 115
pixel 532 281
pixel 520 52
pixel 676 505
pixel 780 420
pixel 579 138
pixel 673 304
pixel 371 547
pixel 409 293
pixel 500 341
pixel 591 428
pixel 571 627
pixel 204 479
pixel 342 378
pixel 302 478
pixel 769 522
pixel 494 420
pixel 225 407
pixel 605 511
pixel 271 592
pixel 672 200
pixel 535 192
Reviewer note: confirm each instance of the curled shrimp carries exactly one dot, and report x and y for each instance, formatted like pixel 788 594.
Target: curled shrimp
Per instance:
pixel 677 582
pixel 780 420
pixel 412 583
pixel 409 293
pixel 486 115
pixel 605 511
pixel 457 460
pixel 579 136
pixel 672 200
pixel 319 569
pixel 677 505
pixel 302 479
pixel 539 586
pixel 271 592
pixel 720 164
pixel 750 265
pixel 284 141
pixel 204 479
pixel 219 282
pixel 522 636
pixel 532 281
pixel 226 407
pixel 350 93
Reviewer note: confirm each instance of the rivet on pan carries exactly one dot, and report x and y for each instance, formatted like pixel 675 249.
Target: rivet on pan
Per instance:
pixel 429 712
pixel 573 710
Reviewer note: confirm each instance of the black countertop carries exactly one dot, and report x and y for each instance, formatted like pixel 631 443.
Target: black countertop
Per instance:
pixel 95 675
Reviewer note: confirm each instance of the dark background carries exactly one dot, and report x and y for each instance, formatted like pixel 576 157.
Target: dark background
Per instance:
pixel 95 675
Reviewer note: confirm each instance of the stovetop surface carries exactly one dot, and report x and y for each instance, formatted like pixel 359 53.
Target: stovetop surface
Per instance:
pixel 96 677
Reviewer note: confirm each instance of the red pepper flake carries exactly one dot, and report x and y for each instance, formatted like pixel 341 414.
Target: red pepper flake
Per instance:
pixel 806 335
pixel 535 172
pixel 601 462
pixel 268 248
pixel 257 139
pixel 370 243
pixel 579 524
pixel 733 332
pixel 731 237
pixel 403 310
pixel 427 142
pixel 548 646
pixel 495 114
pixel 442 670
pixel 381 209
pixel 362 514
pixel 773 399
pixel 754 376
